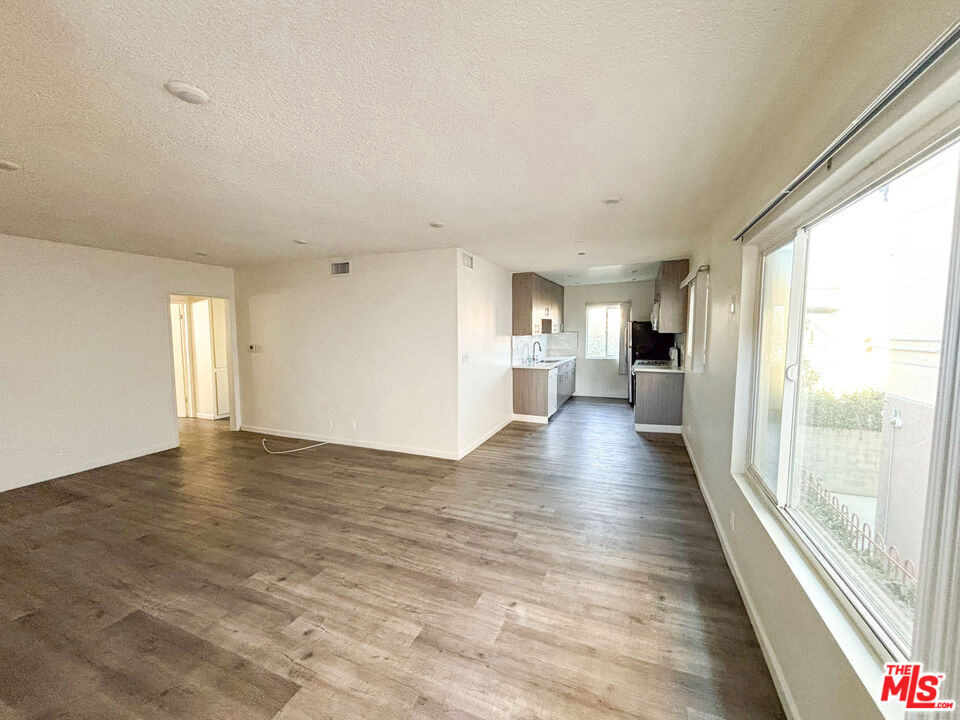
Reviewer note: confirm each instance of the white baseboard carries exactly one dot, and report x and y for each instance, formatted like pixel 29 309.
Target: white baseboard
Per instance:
pixel 84 465
pixel 540 419
pixel 351 442
pixel 483 438
pixel 644 427
pixel 776 671
pixel 208 416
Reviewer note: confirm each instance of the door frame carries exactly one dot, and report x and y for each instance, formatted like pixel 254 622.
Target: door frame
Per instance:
pixel 233 357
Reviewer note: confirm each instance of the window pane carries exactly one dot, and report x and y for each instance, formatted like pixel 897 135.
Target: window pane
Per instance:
pixel 875 292
pixel 775 302
pixel 596 331
pixel 613 331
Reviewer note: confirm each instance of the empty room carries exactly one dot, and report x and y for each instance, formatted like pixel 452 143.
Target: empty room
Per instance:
pixel 370 360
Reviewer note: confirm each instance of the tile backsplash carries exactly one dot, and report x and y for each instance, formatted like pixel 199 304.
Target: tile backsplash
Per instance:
pixel 554 345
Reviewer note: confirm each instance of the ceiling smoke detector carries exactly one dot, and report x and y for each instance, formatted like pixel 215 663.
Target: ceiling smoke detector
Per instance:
pixel 612 200
pixel 187 92
pixel 200 253
pixel 436 224
pixel 10 166
pixel 300 241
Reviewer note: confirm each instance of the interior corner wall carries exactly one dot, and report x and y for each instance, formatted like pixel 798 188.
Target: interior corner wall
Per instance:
pixel 86 366
pixel 485 378
pixel 602 378
pixel 366 359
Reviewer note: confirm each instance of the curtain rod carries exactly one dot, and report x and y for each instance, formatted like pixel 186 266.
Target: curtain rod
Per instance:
pixel 933 53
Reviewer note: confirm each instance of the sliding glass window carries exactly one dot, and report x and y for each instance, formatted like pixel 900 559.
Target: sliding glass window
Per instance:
pixel 846 383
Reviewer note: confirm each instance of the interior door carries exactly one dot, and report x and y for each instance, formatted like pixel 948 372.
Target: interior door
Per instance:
pixel 181 377
pixel 220 353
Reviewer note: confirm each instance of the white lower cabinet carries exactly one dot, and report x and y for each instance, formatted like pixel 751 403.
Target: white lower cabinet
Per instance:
pixel 552 392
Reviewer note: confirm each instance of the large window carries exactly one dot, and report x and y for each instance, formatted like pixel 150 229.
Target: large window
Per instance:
pixel 845 387
pixel 603 332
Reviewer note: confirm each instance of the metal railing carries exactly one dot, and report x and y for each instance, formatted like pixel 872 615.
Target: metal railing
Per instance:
pixel 857 535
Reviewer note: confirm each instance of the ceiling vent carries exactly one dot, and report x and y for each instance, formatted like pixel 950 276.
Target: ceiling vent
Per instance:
pixel 340 268
pixel 468 261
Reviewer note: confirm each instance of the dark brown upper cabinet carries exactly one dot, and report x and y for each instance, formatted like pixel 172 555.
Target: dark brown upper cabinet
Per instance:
pixel 670 300
pixel 536 300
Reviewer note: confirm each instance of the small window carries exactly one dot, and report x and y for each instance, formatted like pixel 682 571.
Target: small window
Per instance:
pixel 603 332
pixel 695 337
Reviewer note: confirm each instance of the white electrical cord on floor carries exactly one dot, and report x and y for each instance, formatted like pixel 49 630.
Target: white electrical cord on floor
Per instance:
pixel 284 452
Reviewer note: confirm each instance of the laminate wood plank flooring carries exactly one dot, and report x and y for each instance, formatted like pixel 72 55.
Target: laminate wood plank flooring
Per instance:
pixel 567 570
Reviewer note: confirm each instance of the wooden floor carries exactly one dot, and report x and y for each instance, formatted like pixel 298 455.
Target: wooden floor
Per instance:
pixel 559 571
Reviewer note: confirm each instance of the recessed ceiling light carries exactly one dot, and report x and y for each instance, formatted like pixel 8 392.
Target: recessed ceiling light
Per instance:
pixel 200 254
pixel 10 166
pixel 436 224
pixel 186 92
pixel 612 200
pixel 300 241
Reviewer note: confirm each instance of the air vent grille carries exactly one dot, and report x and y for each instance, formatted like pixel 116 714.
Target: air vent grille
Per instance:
pixel 340 268
pixel 468 261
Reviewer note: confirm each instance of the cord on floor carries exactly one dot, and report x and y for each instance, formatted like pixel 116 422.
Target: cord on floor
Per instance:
pixel 284 452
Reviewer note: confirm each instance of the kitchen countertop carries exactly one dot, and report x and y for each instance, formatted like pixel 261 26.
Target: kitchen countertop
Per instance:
pixel 656 368
pixel 540 365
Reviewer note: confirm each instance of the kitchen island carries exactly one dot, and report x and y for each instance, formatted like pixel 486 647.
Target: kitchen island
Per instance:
pixel 658 403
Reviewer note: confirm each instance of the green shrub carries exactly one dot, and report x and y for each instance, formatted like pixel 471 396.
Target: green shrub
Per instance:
pixel 860 410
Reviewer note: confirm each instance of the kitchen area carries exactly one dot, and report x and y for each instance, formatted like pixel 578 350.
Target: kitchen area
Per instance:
pixel 613 332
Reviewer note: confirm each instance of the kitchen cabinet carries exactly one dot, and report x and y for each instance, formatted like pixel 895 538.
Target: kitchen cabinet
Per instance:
pixel 566 381
pixel 670 300
pixel 539 390
pixel 536 299
pixel 658 403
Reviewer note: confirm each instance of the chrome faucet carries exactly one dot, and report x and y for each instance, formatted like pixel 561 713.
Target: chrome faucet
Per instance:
pixel 536 344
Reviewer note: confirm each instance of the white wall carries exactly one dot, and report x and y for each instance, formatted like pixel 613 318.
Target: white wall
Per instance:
pixel 86 367
pixel 377 347
pixel 485 309
pixel 601 378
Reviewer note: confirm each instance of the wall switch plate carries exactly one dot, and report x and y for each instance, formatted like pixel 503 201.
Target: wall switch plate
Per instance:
pixel 354 425
pixel 330 423
pixel 465 359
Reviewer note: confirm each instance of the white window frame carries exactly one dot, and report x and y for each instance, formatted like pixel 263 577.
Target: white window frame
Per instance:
pixel 697 285
pixel 606 336
pixel 877 631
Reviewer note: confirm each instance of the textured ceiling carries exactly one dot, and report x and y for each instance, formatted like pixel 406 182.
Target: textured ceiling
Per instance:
pixel 604 275
pixel 354 124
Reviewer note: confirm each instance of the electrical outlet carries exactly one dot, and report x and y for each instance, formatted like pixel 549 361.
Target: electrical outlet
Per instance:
pixel 733 521
pixel 353 425
pixel 62 449
pixel 330 423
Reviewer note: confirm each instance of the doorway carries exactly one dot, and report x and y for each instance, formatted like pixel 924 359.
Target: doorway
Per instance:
pixel 200 330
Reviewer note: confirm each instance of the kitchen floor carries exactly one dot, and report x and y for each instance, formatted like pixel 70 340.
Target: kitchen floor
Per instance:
pixel 567 570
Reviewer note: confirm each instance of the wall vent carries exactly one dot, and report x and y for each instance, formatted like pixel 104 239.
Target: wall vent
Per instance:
pixel 340 268
pixel 468 261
